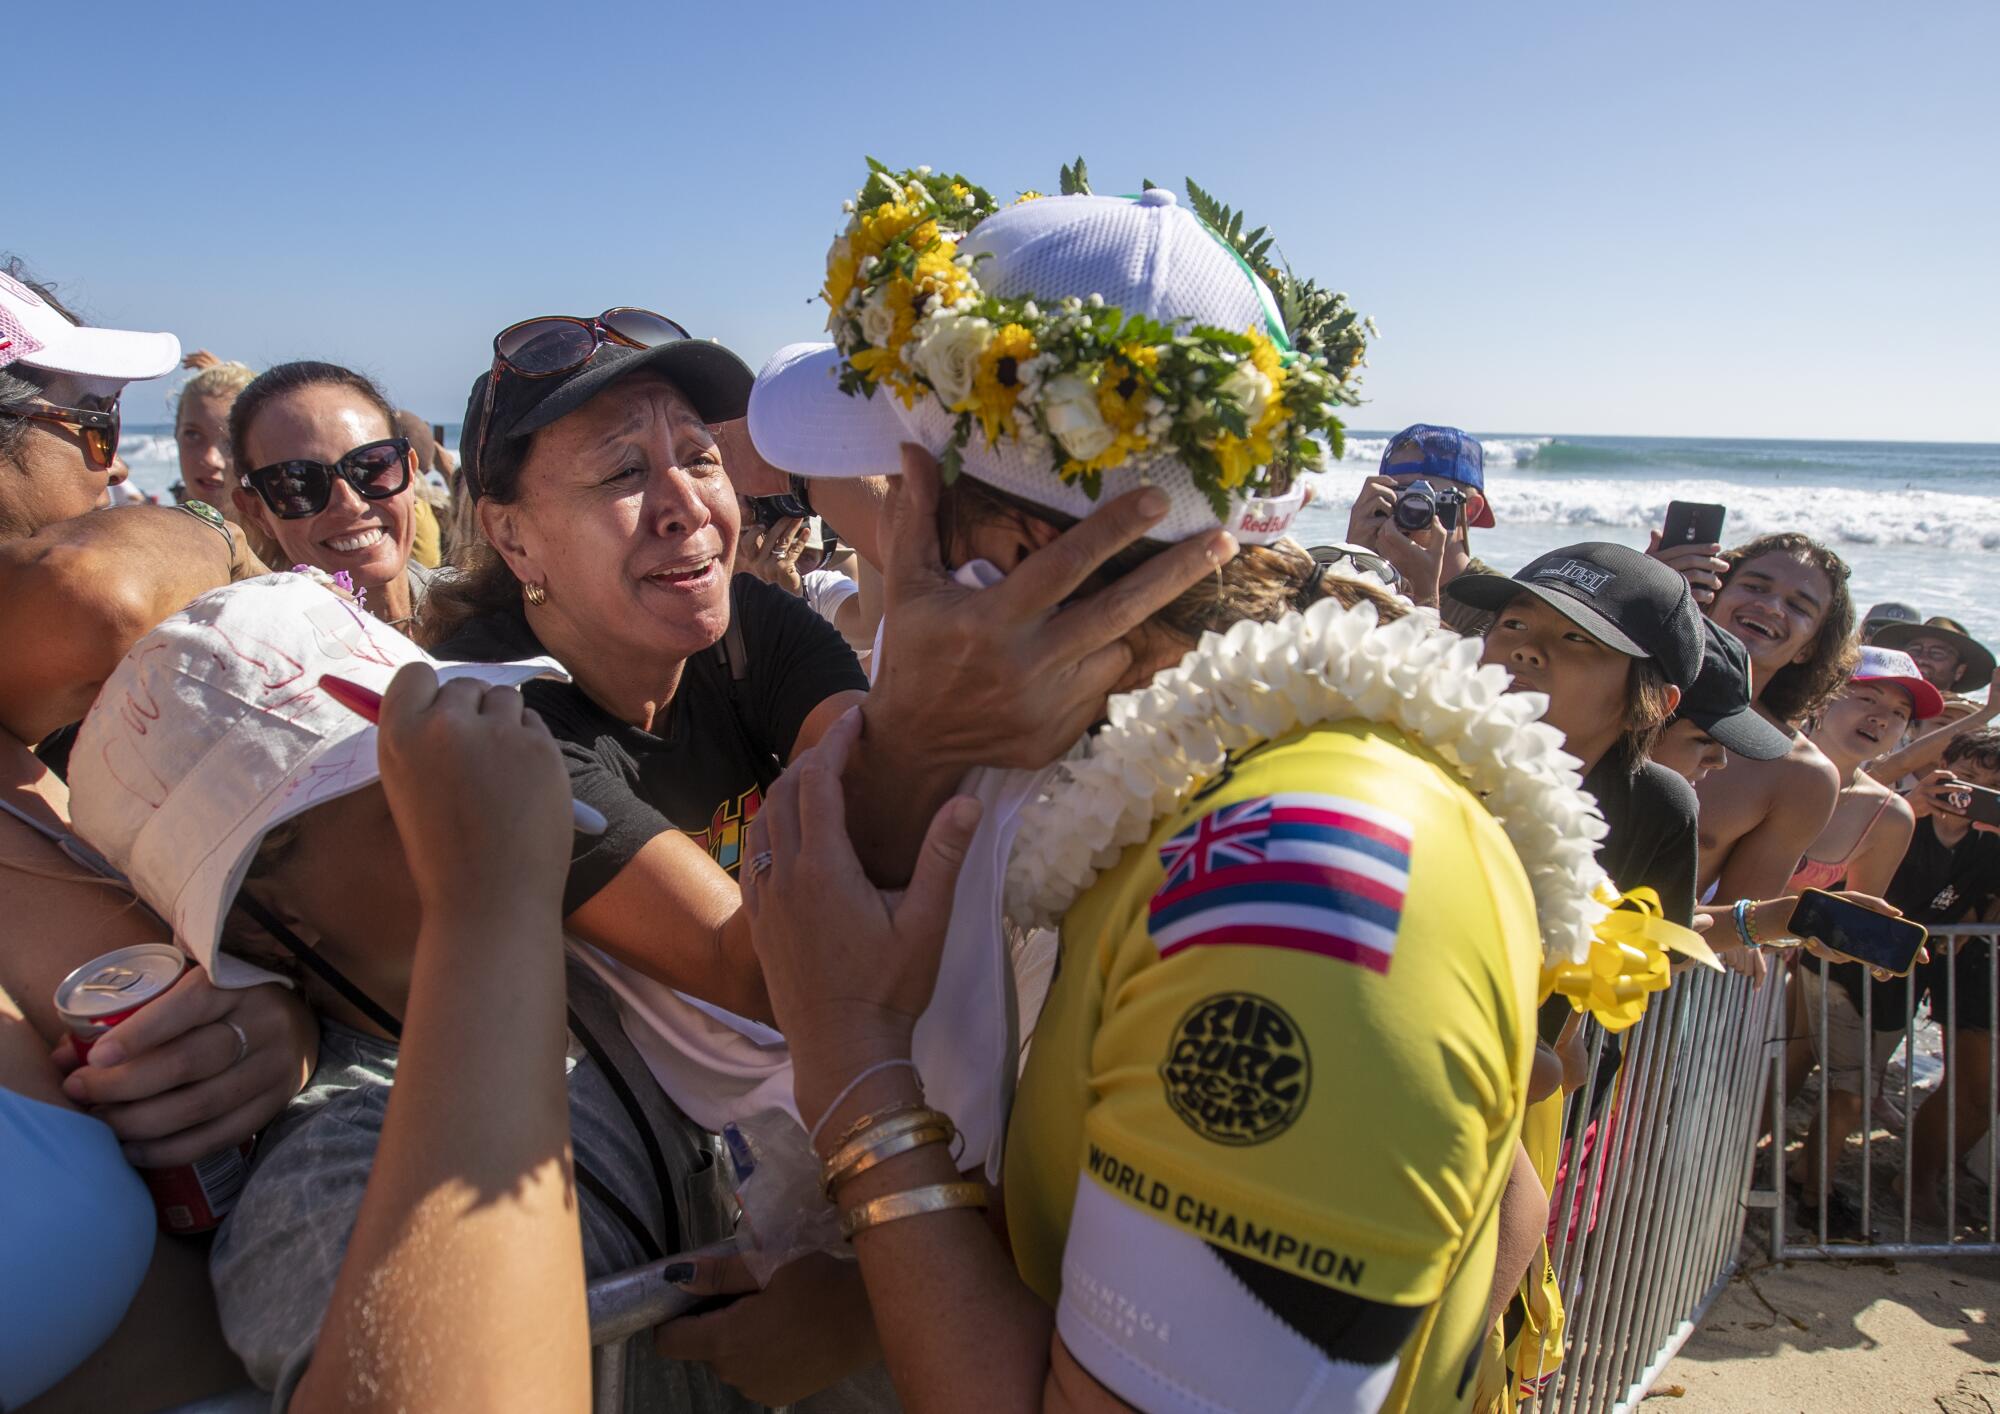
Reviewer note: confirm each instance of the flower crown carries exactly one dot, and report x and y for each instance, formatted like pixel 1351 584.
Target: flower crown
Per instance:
pixel 1090 386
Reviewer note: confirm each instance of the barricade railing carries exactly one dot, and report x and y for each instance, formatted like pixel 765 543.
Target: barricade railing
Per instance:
pixel 1964 1026
pixel 1648 1211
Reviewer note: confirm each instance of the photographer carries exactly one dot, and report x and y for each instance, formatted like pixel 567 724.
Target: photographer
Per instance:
pixel 1415 511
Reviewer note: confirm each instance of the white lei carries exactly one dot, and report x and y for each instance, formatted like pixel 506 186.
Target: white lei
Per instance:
pixel 1328 664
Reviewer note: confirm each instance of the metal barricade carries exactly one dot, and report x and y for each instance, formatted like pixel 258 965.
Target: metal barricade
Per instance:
pixel 1946 1024
pixel 1650 1209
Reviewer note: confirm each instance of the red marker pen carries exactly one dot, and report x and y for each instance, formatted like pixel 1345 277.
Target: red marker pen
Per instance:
pixel 367 703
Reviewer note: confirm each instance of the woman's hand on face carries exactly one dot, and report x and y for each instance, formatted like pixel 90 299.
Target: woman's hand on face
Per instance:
pixel 846 996
pixel 1013 675
pixel 199 1069
pixel 479 793
pixel 810 1327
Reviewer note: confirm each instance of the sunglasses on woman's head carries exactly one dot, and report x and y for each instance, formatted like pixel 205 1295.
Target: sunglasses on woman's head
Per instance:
pixel 97 428
pixel 299 488
pixel 552 344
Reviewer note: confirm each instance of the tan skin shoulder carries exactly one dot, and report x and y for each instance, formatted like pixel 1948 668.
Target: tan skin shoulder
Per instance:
pixel 1735 802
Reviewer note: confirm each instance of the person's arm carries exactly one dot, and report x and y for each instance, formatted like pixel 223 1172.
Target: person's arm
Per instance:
pixel 1524 1218
pixel 76 595
pixel 673 914
pixel 462 1284
pixel 1928 750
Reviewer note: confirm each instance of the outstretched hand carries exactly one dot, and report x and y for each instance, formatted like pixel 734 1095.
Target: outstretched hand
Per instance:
pixel 846 996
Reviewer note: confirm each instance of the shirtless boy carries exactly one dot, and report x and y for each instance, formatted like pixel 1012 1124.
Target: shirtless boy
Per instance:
pixel 1786 597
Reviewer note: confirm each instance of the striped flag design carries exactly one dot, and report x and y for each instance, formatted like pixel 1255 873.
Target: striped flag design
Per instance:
pixel 1316 873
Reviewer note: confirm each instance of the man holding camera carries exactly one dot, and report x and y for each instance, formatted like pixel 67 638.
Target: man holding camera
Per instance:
pixel 1415 511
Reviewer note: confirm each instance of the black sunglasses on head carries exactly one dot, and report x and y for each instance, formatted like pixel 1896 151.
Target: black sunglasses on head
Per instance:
pixel 299 488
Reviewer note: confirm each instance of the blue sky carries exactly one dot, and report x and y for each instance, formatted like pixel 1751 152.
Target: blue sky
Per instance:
pixel 1693 218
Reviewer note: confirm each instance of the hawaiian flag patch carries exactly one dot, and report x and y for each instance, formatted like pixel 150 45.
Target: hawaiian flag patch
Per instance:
pixel 1315 873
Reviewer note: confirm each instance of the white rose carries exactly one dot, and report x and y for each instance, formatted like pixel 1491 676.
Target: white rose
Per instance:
pixel 1069 406
pixel 878 320
pixel 948 353
pixel 1248 388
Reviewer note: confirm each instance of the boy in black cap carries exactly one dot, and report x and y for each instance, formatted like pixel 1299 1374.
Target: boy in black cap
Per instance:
pixel 1561 627
pixel 1717 718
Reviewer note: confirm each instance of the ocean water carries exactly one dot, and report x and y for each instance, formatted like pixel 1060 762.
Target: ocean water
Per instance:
pixel 1917 521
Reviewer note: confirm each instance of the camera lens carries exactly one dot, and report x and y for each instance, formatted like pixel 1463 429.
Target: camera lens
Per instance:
pixel 1416 507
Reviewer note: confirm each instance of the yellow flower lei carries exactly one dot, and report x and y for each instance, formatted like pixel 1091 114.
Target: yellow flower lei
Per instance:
pixel 1243 411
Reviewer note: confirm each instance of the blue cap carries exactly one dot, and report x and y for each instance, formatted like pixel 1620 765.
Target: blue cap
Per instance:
pixel 1443 453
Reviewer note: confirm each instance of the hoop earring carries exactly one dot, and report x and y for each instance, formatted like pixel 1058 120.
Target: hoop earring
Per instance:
pixel 534 594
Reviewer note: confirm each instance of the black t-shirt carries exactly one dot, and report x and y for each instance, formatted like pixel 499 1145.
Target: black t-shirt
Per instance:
pixel 1935 883
pixel 1652 843
pixel 704 769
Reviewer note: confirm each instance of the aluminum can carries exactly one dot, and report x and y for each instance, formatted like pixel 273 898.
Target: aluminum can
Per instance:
pixel 96 997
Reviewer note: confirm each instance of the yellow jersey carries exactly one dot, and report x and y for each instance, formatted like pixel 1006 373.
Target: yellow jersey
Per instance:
pixel 1286 1052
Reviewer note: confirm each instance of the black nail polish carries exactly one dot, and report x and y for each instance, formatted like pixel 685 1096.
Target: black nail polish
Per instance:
pixel 677 1273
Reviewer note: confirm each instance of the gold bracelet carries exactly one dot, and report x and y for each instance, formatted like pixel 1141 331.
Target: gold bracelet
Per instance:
pixel 869 1120
pixel 942 1132
pixel 935 1198
pixel 875 1135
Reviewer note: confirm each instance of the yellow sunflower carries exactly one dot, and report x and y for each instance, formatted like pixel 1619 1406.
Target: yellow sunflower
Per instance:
pixel 996 385
pixel 1264 378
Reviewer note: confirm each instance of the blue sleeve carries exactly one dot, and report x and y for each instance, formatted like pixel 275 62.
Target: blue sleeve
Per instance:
pixel 75 1242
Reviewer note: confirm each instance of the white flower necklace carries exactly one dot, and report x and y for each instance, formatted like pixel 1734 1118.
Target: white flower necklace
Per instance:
pixel 1328 664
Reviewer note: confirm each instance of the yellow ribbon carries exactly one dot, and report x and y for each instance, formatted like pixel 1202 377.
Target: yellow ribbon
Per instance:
pixel 1627 961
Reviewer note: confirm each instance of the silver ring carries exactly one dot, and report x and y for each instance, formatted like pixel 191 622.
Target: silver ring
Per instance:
pixel 759 862
pixel 242 1041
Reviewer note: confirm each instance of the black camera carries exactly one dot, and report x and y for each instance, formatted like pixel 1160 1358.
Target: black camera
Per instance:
pixel 769 510
pixel 1418 504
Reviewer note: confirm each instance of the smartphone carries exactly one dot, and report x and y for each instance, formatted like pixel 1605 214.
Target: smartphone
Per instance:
pixel 1860 933
pixel 1693 523
pixel 437 433
pixel 1980 805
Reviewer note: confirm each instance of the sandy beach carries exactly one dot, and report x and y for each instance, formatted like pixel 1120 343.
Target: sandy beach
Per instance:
pixel 1872 1336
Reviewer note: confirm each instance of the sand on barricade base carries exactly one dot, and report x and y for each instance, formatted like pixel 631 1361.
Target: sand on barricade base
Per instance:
pixel 1871 1336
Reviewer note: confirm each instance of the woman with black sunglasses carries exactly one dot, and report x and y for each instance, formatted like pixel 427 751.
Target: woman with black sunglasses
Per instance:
pixel 322 471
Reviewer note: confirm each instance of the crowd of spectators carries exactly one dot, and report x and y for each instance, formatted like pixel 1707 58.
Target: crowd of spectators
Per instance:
pixel 810 691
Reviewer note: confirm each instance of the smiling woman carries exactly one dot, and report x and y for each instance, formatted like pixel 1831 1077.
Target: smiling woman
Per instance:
pixel 321 471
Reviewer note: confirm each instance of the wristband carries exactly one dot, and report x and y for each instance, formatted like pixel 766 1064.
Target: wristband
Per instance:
pixel 936 1198
pixel 857 1151
pixel 1743 932
pixel 939 1131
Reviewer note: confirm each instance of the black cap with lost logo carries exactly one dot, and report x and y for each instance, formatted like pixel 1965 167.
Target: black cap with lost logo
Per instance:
pixel 1621 598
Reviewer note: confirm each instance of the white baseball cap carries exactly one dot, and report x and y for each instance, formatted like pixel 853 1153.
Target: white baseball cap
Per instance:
pixel 35 332
pixel 214 729
pixel 1144 255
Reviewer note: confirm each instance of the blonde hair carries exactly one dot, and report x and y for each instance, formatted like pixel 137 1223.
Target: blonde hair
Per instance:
pixel 225 380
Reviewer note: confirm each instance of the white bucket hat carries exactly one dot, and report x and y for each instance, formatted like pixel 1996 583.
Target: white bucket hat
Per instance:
pixel 35 332
pixel 214 730
pixel 1143 255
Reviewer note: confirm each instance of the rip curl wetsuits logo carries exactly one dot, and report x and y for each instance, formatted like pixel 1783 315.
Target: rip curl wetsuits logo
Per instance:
pixel 1237 1071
